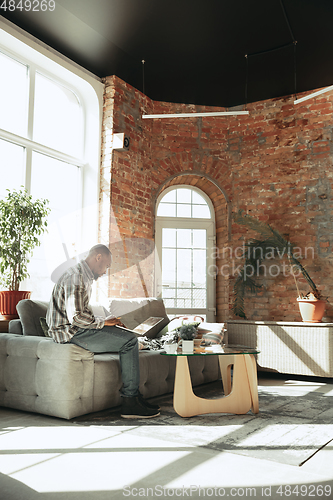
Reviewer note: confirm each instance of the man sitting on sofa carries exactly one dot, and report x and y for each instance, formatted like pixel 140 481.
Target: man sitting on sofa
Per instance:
pixel 70 319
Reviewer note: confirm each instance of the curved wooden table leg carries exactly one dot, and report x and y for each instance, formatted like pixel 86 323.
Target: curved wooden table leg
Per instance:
pixel 225 363
pixel 251 368
pixel 187 404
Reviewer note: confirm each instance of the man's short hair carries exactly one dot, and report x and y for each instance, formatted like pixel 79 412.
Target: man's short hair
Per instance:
pixel 97 249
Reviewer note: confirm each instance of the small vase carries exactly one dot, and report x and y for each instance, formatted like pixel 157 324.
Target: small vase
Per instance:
pixel 311 311
pixel 187 346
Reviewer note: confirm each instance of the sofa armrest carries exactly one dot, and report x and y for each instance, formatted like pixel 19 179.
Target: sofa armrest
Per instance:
pixel 15 326
pixel 39 375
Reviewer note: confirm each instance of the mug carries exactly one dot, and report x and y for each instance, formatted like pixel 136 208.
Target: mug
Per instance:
pixel 170 348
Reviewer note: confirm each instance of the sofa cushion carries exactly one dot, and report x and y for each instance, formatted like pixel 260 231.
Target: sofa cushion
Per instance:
pixel 134 311
pixel 212 332
pixel 119 307
pixel 29 312
pixel 45 327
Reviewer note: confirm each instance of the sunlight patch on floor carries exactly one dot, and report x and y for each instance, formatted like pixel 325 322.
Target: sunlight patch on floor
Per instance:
pixel 53 438
pixel 295 387
pixel 100 471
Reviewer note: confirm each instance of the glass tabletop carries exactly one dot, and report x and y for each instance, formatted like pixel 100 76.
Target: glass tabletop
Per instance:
pixel 224 350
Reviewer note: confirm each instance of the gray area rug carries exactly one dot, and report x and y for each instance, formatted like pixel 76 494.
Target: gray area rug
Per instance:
pixel 292 424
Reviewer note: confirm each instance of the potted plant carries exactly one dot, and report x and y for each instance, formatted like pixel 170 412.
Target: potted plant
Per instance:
pixel 312 308
pixel 187 333
pixel 312 305
pixel 22 221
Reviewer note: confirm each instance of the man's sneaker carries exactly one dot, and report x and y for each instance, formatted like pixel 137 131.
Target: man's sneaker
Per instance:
pixel 147 404
pixel 133 408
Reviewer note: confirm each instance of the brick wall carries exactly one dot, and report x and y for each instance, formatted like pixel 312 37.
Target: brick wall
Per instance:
pixel 275 164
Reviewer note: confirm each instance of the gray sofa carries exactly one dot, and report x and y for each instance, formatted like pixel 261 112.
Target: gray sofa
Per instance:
pixel 64 380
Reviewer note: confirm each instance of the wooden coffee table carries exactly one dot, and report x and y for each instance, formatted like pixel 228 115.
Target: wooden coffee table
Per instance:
pixel 240 395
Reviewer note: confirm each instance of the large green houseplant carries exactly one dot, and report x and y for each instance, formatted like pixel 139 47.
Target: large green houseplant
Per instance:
pixel 255 251
pixel 22 221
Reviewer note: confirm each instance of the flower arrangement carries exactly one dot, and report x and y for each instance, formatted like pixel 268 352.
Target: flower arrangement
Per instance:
pixel 187 332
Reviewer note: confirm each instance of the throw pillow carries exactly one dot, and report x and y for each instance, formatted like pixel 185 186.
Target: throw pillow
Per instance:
pixel 212 333
pixel 29 312
pixel 44 327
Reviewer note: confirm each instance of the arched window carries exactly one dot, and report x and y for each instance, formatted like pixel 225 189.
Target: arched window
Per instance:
pixel 185 240
pixel 47 146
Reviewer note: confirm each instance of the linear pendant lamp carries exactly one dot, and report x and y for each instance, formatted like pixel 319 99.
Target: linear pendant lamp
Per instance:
pixel 314 94
pixel 193 115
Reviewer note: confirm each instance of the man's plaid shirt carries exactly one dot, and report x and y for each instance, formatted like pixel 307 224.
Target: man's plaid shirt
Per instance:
pixel 69 308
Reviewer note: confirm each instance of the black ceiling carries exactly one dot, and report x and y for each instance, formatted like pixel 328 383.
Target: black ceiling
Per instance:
pixel 194 50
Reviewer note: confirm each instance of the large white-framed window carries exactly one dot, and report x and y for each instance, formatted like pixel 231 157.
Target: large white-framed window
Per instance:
pixel 185 241
pixel 50 125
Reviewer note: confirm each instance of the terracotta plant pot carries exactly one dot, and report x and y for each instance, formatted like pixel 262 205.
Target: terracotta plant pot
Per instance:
pixel 312 311
pixel 8 302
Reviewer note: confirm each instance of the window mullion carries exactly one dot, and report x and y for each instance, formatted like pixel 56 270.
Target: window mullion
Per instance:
pixel 176 269
pixel 191 284
pixel 40 148
pixel 28 162
pixel 32 75
pixel 28 149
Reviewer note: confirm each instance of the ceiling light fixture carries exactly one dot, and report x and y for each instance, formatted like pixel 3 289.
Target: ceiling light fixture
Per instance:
pixel 314 94
pixel 194 115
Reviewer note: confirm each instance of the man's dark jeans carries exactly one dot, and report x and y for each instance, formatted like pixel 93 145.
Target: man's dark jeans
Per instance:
pixel 115 339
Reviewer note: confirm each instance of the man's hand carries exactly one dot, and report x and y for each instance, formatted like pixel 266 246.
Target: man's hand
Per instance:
pixel 114 322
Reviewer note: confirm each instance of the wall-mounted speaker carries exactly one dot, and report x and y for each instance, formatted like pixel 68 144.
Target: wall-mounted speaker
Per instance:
pixel 121 142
